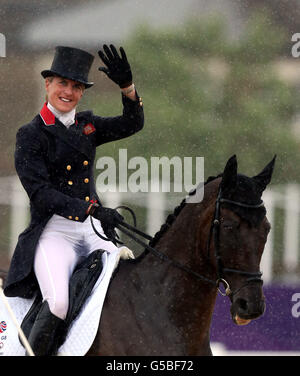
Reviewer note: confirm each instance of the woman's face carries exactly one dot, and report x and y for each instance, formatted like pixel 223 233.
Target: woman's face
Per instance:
pixel 63 94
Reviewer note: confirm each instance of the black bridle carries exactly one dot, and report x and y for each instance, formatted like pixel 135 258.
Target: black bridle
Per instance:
pixel 214 233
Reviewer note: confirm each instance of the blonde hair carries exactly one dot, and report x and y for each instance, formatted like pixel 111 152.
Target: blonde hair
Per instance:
pixel 50 79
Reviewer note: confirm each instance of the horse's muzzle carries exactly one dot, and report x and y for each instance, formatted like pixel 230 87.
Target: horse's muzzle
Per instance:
pixel 243 309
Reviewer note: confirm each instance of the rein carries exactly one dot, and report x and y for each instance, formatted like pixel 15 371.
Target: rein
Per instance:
pixel 124 227
pixel 214 232
pixel 159 254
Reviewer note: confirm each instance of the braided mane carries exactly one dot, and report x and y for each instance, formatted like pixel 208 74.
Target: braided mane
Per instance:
pixel 171 217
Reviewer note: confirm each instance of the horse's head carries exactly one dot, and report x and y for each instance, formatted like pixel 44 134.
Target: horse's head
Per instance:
pixel 240 232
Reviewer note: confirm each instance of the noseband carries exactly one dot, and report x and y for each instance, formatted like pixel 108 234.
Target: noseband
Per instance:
pixel 215 232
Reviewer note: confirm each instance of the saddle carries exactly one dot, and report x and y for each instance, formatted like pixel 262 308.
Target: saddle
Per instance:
pixel 81 285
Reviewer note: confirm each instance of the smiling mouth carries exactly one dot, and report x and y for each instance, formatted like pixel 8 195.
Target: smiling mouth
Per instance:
pixel 65 100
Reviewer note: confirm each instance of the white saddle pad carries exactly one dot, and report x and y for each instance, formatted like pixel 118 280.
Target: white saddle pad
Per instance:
pixel 82 331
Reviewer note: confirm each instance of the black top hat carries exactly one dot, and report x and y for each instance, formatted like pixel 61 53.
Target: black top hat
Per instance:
pixel 71 63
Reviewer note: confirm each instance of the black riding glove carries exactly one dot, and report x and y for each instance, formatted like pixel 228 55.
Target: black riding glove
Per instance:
pixel 108 217
pixel 118 68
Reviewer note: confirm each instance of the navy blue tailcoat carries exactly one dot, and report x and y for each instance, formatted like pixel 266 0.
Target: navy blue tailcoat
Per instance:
pixel 56 167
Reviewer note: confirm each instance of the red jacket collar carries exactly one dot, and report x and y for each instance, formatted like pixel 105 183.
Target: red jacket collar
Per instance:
pixel 48 117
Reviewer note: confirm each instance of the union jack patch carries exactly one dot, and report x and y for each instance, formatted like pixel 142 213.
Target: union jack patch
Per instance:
pixel 2 326
pixel 88 129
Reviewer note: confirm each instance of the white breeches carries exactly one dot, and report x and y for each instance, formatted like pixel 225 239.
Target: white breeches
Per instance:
pixel 61 246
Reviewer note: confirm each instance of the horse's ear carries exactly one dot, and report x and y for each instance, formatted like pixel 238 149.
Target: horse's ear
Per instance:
pixel 229 179
pixel 264 177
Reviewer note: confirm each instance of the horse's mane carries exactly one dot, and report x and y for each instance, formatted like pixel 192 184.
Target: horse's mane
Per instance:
pixel 171 217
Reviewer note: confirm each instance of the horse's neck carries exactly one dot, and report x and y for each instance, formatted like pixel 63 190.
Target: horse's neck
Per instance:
pixel 167 310
pixel 187 239
pixel 171 297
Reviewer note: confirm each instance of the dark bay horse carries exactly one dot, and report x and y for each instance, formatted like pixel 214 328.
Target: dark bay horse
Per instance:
pixel 157 307
pixel 154 307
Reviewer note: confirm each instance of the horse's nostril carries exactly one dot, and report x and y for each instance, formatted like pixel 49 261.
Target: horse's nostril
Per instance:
pixel 242 303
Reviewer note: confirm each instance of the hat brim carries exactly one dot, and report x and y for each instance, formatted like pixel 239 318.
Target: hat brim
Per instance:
pixel 48 73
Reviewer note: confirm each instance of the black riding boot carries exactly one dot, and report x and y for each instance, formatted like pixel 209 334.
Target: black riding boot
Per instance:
pixel 45 332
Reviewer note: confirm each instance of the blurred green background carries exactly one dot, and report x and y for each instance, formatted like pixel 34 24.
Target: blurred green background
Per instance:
pixel 205 95
pixel 213 84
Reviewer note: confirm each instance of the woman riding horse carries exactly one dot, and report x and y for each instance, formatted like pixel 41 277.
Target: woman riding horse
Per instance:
pixel 54 160
pixel 162 302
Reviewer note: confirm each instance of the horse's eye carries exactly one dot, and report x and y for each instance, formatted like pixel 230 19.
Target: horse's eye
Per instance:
pixel 229 225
